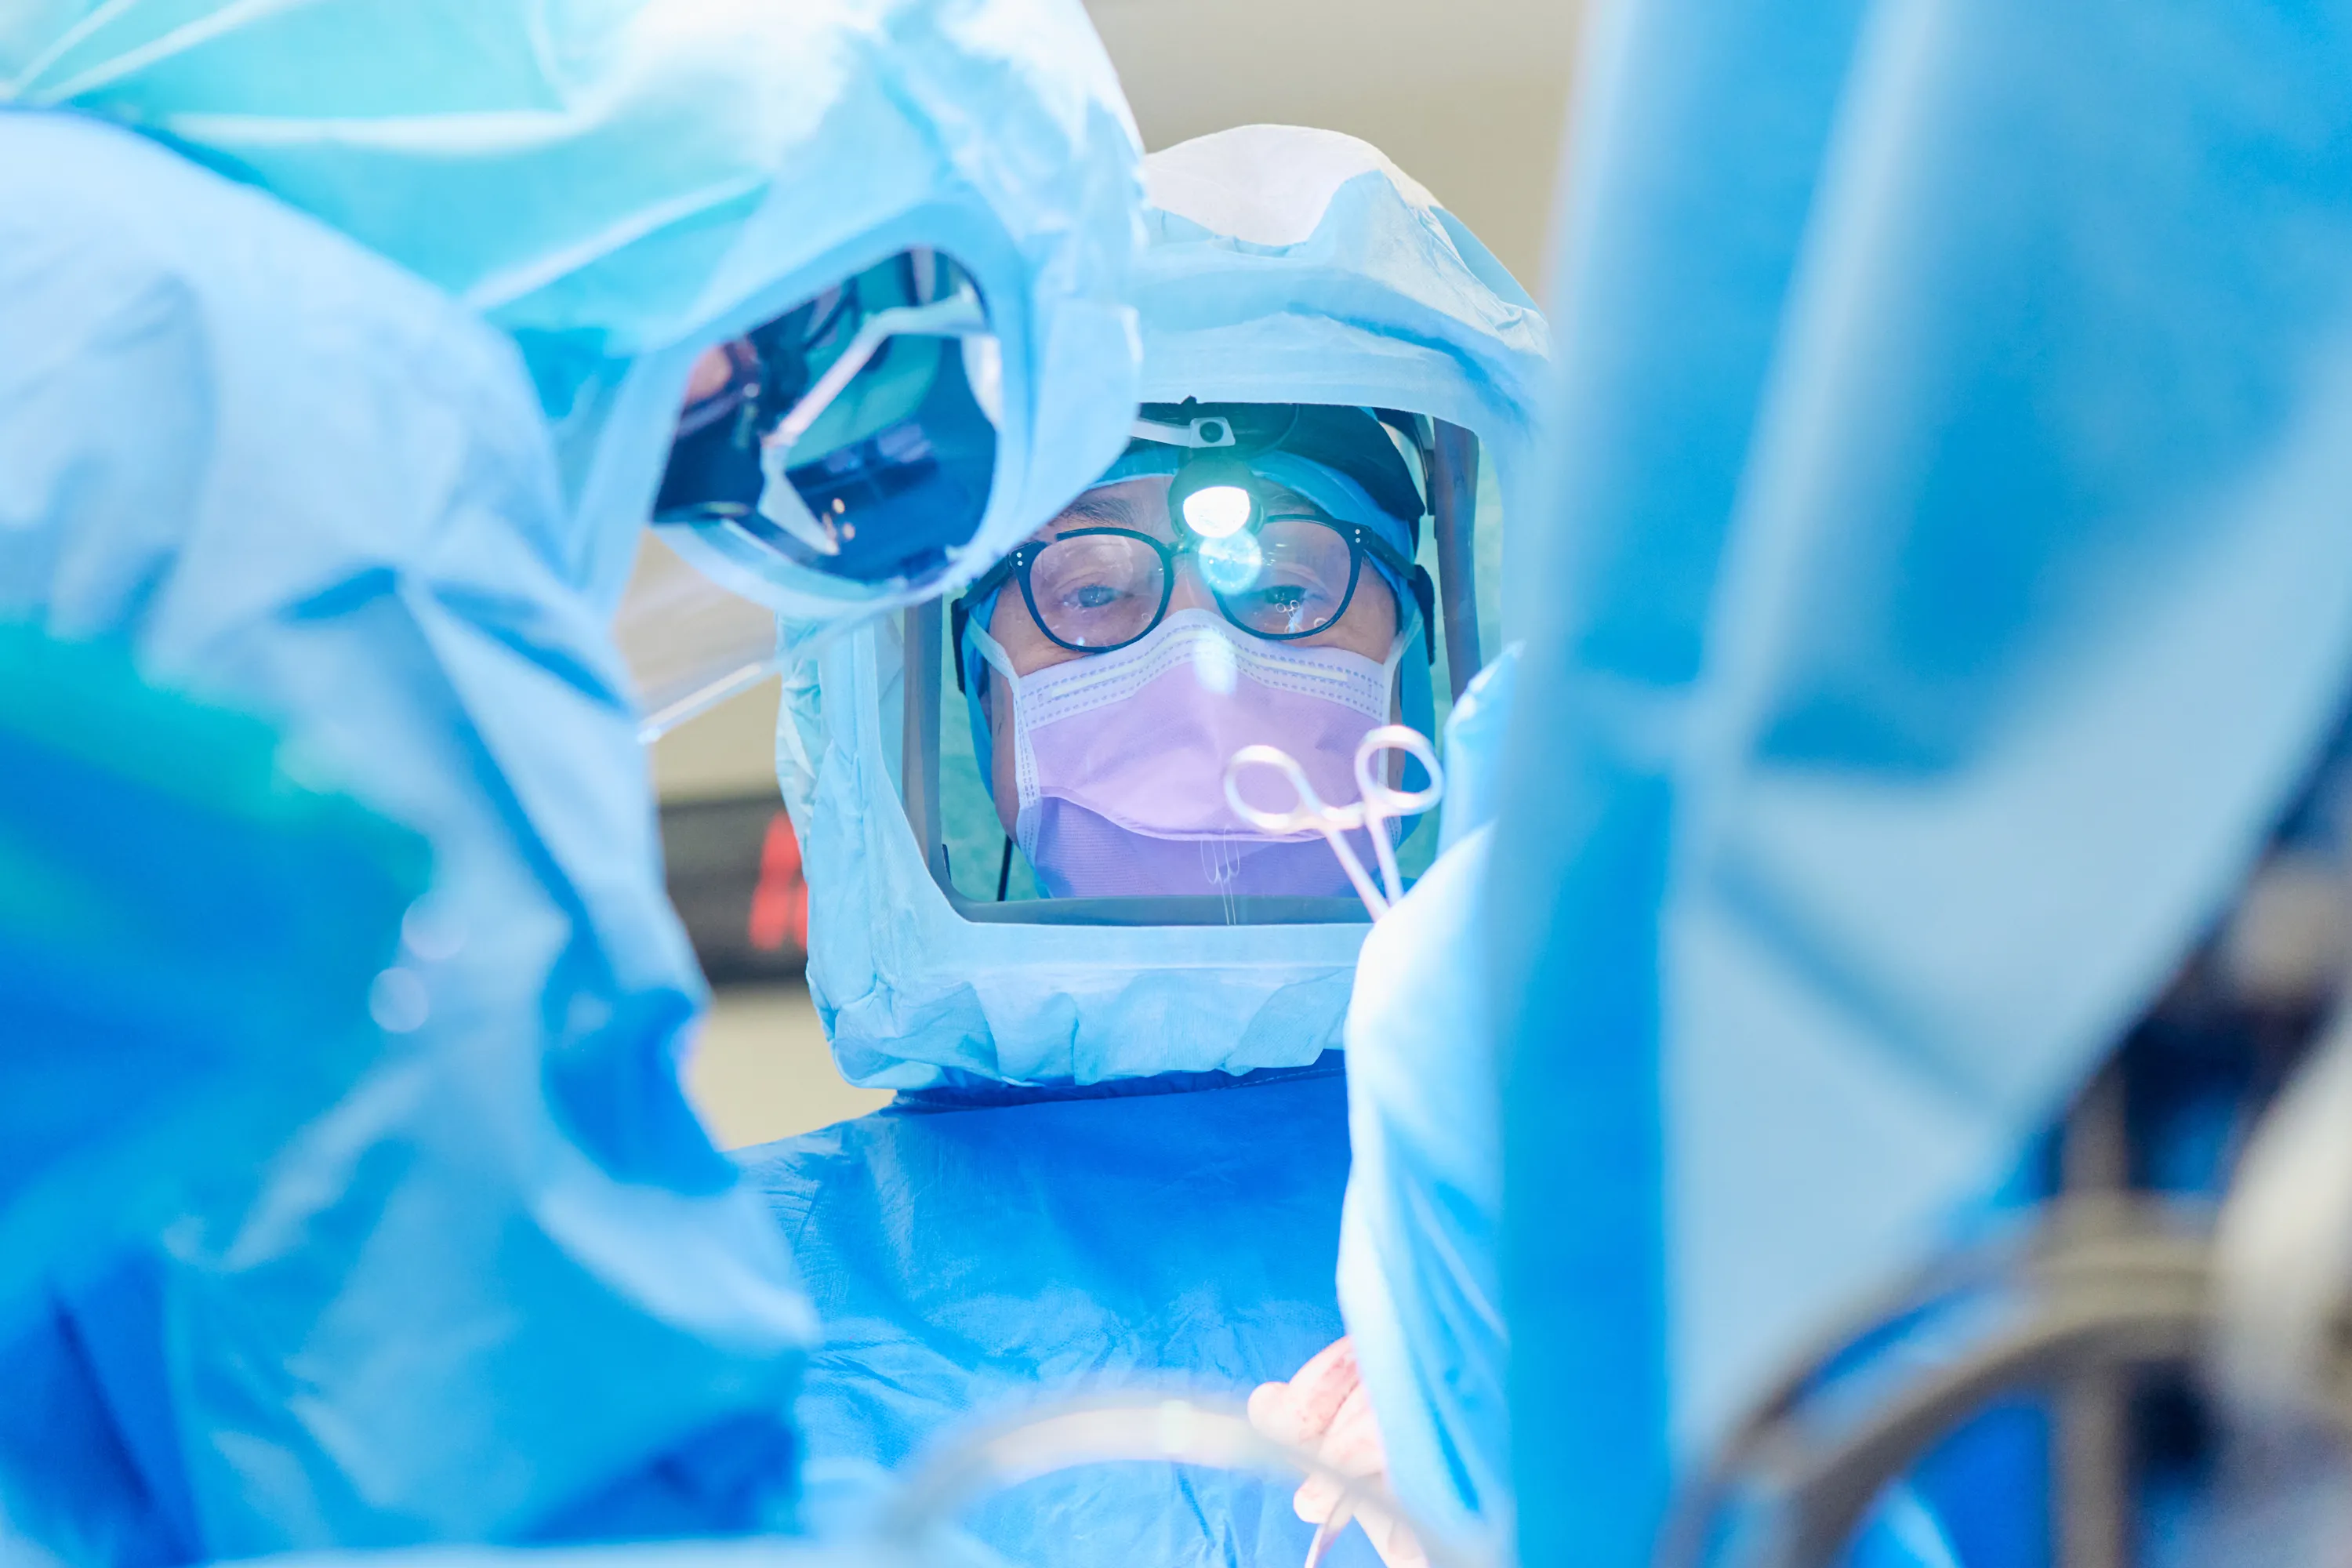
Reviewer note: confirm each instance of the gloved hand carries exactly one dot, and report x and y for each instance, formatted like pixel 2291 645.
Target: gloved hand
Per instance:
pixel 1325 1410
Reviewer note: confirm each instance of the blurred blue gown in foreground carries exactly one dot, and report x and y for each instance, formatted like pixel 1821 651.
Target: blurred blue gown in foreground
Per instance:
pixel 505 1289
pixel 188 940
pixel 1956 415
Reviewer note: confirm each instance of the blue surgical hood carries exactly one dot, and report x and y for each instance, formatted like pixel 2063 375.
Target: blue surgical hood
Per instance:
pixel 1286 265
pixel 505 1286
pixel 620 185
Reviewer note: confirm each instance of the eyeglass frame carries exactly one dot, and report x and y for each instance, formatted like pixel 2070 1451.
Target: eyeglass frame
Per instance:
pixel 1361 542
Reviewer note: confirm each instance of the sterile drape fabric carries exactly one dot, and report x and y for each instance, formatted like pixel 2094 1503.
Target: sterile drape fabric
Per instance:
pixel 505 1288
pixel 1952 427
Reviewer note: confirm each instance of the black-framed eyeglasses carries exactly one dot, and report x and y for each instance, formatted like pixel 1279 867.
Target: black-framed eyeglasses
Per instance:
pixel 1099 589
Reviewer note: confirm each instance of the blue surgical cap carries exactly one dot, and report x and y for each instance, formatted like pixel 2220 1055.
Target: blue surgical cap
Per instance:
pixel 620 186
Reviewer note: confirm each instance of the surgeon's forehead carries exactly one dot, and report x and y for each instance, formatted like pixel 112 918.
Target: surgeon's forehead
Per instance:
pixel 1131 503
pixel 1141 504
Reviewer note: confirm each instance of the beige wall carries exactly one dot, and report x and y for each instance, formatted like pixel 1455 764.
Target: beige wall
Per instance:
pixel 1467 96
pixel 760 1070
pixel 724 755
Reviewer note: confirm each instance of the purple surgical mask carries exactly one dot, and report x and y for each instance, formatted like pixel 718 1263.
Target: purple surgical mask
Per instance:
pixel 1119 758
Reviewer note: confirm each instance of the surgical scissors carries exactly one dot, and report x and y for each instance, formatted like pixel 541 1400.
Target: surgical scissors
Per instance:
pixel 1377 805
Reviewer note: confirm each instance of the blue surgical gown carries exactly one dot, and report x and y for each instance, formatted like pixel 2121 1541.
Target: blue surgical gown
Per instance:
pixel 976 1251
pixel 188 941
pixel 505 1289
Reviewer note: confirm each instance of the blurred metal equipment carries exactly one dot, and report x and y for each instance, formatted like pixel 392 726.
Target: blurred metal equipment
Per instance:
pixel 2092 1484
pixel 2101 1290
pixel 1378 804
pixel 2284 1250
pixel 2109 1292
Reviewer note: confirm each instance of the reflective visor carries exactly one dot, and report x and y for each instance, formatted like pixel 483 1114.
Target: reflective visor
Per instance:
pixel 855 435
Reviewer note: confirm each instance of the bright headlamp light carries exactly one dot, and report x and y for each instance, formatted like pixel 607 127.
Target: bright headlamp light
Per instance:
pixel 1215 494
pixel 1217 511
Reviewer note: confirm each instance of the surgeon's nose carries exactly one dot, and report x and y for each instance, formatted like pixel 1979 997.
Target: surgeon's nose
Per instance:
pixel 1192 590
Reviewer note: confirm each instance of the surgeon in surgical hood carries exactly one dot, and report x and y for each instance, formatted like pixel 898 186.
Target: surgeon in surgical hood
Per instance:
pixel 254 426
pixel 1243 575
pixel 835 293
pixel 1111 1004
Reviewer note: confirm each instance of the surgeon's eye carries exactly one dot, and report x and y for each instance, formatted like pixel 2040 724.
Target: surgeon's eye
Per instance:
pixel 1100 591
pixel 1096 590
pixel 1283 609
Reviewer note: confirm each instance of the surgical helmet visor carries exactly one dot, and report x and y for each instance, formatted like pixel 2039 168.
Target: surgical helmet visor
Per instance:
pixel 856 435
pixel 1118 661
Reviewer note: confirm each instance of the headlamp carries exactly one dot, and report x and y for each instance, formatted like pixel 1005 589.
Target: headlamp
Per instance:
pixel 1215 494
pixel 1217 511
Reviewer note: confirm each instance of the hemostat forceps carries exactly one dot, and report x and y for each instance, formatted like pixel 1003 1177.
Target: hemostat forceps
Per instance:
pixel 1377 805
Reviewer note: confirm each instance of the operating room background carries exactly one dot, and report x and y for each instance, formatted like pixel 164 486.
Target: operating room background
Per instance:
pixel 1469 97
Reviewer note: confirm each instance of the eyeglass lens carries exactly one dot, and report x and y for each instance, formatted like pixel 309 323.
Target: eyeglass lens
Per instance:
pixel 1101 590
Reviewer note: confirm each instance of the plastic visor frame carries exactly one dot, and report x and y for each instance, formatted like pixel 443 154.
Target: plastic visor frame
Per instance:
pixel 1361 542
pixel 925 647
pixel 1450 457
pixel 959 315
pixel 744 543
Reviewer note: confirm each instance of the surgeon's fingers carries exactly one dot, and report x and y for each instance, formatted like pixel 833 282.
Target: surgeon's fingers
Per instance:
pixel 1397 1547
pixel 1351 1446
pixel 1269 1411
pixel 1320 1387
pixel 1297 1411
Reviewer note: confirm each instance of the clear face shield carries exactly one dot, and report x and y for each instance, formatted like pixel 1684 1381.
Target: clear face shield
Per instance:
pixel 1203 693
pixel 844 450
